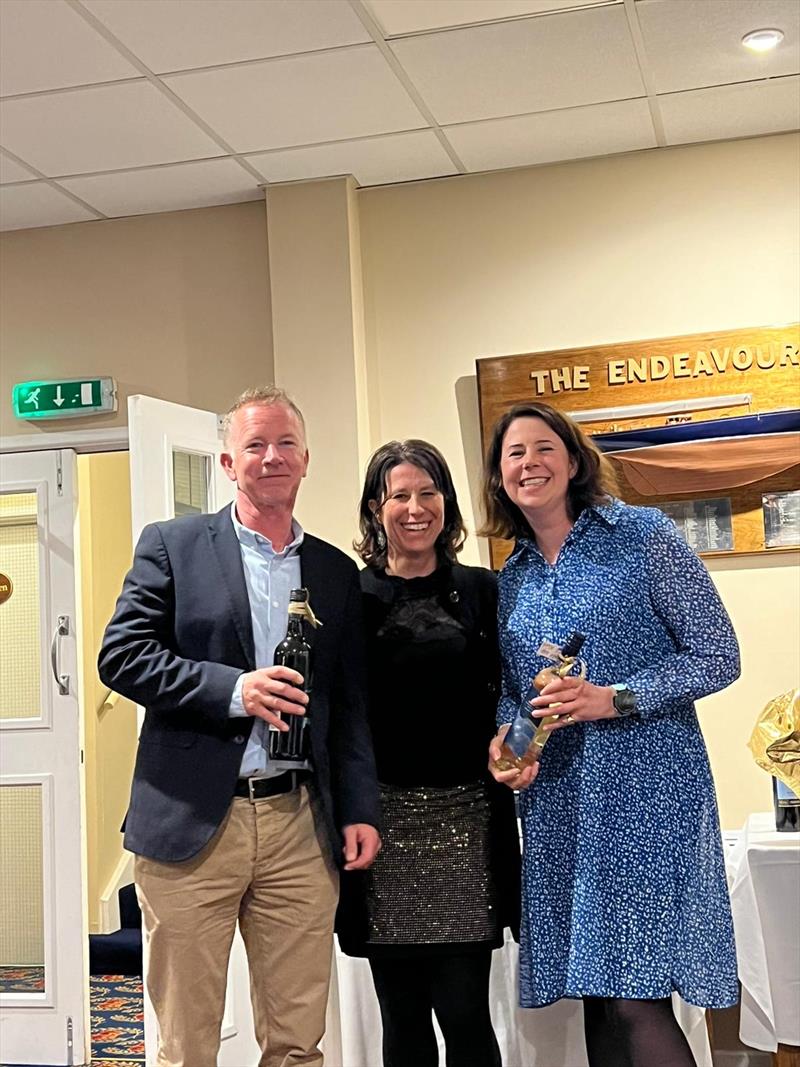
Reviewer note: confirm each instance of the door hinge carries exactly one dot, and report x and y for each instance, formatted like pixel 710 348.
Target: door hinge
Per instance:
pixel 59 474
pixel 70 1043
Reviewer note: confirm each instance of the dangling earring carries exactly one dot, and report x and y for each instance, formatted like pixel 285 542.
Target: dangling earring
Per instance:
pixel 380 537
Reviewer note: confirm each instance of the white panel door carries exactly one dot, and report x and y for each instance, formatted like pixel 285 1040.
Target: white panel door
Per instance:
pixel 175 469
pixel 44 987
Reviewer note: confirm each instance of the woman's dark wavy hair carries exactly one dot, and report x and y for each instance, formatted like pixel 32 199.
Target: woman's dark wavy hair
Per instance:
pixel 372 547
pixel 594 480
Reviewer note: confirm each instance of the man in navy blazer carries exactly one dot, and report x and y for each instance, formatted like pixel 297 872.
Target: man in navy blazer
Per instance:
pixel 221 834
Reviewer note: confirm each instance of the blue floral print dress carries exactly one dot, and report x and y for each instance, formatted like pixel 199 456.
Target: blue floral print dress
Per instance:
pixel 624 891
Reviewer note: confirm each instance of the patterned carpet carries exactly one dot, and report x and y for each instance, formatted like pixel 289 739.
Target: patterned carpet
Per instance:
pixel 116 1009
pixel 117 1021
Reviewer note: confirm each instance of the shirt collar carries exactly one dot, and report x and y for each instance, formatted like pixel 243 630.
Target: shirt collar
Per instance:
pixel 609 513
pixel 249 537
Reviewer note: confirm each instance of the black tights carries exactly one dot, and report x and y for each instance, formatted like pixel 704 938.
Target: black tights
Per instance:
pixel 456 989
pixel 634 1033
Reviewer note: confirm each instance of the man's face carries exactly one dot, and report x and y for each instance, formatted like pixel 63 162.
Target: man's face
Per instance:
pixel 266 455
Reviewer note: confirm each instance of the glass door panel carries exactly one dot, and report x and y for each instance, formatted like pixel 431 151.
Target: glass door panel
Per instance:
pixel 21 889
pixel 20 613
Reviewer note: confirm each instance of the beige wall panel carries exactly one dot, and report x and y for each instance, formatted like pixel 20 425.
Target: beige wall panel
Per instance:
pixel 653 244
pixel 315 275
pixel 110 732
pixel 174 305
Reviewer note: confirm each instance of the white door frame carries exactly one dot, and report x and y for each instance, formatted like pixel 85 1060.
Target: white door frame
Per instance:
pixel 53 1026
pixel 155 428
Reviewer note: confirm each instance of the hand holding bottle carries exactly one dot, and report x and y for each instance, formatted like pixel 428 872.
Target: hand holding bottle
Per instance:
pixel 513 778
pixel 272 691
pixel 576 699
pixel 522 743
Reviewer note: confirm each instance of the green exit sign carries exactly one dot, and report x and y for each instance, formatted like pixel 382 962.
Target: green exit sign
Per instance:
pixel 65 398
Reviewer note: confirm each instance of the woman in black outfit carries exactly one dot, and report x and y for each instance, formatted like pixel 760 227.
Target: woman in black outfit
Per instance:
pixel 432 908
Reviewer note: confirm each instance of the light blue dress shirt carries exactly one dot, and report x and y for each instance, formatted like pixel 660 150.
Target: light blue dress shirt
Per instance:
pixel 270 577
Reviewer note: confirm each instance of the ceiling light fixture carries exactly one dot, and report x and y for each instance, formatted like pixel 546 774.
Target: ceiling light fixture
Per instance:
pixel 762 40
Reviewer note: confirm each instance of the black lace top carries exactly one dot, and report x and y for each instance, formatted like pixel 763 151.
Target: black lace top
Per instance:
pixel 433 673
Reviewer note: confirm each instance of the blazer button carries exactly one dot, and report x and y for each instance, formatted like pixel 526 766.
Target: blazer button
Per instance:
pixel 239 739
pixel 454 597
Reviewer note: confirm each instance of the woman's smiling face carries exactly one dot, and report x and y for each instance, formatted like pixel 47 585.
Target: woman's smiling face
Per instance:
pixel 412 513
pixel 536 468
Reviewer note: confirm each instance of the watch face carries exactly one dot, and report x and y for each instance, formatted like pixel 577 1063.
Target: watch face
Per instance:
pixel 625 702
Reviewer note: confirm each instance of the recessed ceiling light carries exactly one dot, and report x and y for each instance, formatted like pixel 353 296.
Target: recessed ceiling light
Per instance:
pixel 762 40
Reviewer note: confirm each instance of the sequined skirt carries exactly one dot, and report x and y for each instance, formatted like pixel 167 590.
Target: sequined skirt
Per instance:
pixel 432 881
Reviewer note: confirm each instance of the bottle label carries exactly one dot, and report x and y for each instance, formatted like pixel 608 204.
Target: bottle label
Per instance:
pixel 785 797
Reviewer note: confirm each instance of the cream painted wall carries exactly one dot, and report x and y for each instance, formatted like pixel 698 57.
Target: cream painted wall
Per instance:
pixel 318 331
pixel 646 245
pixel 174 305
pixel 110 729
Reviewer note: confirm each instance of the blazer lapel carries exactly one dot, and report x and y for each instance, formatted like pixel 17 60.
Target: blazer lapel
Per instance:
pixel 226 549
pixel 314 579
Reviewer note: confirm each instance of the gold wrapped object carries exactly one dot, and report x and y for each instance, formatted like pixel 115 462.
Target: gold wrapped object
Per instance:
pixel 775 741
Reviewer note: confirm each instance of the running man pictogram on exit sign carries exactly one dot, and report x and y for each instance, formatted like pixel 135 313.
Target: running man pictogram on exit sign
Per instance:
pixel 64 398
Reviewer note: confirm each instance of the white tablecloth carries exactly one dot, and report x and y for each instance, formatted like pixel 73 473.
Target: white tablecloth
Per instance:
pixel 544 1037
pixel 764 877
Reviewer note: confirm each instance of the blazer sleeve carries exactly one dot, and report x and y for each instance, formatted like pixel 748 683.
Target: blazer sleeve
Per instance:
pixel 353 776
pixel 137 657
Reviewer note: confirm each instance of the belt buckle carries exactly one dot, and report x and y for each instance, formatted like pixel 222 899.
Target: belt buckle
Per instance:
pixel 293 776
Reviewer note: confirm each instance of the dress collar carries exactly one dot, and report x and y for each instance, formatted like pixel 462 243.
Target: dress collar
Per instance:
pixel 609 513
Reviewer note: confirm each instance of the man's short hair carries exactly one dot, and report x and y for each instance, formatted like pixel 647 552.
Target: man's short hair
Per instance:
pixel 263 394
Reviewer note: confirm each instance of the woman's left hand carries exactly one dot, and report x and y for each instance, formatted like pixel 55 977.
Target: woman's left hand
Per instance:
pixel 577 700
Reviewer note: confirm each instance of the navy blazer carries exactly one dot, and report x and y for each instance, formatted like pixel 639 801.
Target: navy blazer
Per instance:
pixel 180 636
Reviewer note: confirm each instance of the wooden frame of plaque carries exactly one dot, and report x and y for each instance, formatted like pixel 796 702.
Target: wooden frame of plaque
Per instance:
pixel 650 383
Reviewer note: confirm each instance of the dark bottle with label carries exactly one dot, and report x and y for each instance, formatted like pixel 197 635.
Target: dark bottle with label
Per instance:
pixel 294 652
pixel 522 746
pixel 787 807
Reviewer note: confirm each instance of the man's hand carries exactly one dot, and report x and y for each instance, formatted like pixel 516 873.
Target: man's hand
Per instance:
pixel 271 690
pixel 362 844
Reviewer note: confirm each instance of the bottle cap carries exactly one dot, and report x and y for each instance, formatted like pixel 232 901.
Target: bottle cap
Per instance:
pixel 298 596
pixel 573 645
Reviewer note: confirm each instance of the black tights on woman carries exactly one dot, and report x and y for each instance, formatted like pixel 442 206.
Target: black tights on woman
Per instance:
pixel 634 1033
pixel 454 988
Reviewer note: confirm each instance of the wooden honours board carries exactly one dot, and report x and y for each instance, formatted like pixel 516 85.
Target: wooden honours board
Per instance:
pixel 736 372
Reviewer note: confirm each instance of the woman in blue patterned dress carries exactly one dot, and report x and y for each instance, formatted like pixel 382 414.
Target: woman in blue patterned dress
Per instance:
pixel 624 893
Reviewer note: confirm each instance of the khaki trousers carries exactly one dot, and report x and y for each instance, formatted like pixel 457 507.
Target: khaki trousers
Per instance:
pixel 265 869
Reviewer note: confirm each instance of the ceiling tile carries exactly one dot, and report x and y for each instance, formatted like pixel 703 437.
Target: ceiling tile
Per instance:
pixel 11 171
pixel 601 129
pixel 326 96
pixel 399 16
pixel 579 57
pixel 174 188
pixel 400 157
pixel 104 128
pixel 49 46
pixel 731 111
pixel 204 33
pixel 689 46
pixel 37 204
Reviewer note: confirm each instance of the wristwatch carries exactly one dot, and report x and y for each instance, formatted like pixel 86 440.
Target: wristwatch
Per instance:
pixel 624 700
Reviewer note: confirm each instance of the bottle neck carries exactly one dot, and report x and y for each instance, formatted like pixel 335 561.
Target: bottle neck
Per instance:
pixel 295 626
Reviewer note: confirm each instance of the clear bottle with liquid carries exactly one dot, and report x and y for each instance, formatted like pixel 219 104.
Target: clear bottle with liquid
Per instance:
pixel 294 651
pixel 526 737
